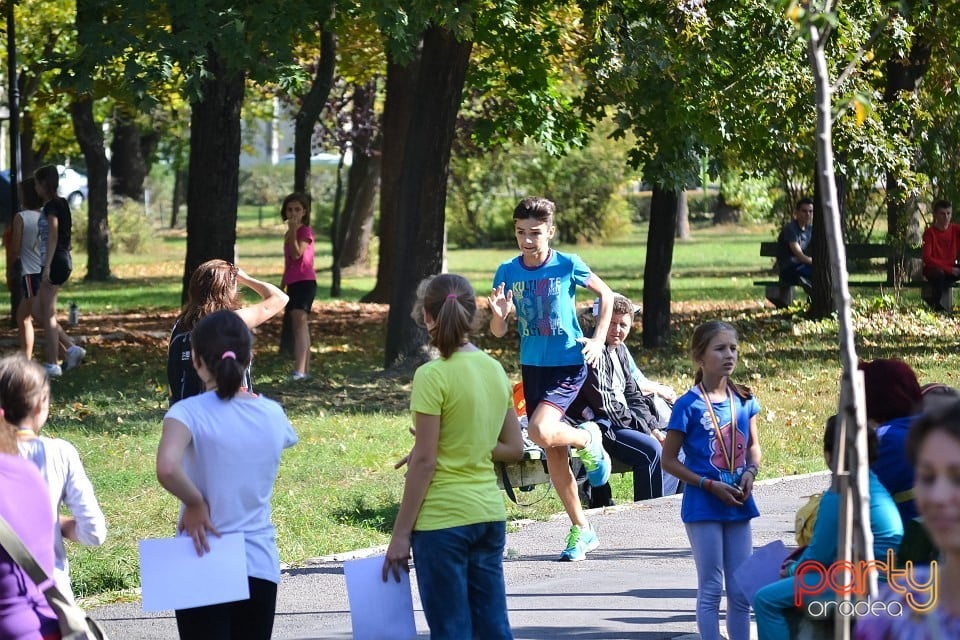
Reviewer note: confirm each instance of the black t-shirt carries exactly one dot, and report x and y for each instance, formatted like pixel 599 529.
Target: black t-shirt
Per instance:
pixel 59 209
pixel 181 376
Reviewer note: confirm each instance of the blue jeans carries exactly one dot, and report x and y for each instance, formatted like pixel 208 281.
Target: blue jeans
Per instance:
pixel 460 576
pixel 719 548
pixel 773 606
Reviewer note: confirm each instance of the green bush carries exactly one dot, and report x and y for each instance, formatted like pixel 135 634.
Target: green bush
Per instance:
pixel 754 198
pixel 700 206
pixel 130 229
pixel 585 183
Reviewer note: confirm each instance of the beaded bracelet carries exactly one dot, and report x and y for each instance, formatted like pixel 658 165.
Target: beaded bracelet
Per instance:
pixel 702 480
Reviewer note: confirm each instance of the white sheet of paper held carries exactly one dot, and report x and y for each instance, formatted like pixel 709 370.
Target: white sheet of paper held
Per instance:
pixel 378 610
pixel 172 576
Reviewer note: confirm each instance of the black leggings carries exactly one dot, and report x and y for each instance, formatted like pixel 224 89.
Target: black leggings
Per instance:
pixel 241 620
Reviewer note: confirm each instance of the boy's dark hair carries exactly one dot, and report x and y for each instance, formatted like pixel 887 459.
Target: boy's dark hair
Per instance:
pixel 48 176
pixel 303 199
pixel 803 202
pixel 535 207
pixel 830 438
pixel 942 204
pixel 224 343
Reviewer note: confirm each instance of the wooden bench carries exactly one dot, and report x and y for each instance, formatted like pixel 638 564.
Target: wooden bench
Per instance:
pixel 532 470
pixel 782 295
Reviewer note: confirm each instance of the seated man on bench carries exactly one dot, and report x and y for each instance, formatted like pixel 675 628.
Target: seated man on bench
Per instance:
pixel 628 419
pixel 941 246
pixel 793 263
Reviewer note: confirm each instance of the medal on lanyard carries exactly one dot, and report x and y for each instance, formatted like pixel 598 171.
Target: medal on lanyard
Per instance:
pixel 728 453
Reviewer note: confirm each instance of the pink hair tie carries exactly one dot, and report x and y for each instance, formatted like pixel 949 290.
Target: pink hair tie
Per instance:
pixel 228 354
pixel 452 295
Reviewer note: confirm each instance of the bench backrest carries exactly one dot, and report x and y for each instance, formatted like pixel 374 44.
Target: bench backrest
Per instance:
pixel 855 250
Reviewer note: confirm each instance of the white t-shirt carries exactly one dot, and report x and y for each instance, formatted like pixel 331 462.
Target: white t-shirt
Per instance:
pixel 233 460
pixel 31 250
pixel 67 483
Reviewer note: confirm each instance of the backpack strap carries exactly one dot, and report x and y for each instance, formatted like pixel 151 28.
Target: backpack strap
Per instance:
pixel 18 551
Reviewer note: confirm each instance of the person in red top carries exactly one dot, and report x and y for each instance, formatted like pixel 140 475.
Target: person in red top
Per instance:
pixel 941 247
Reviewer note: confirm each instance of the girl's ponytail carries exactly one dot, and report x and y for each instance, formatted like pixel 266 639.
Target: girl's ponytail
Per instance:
pixel 223 341
pixel 451 302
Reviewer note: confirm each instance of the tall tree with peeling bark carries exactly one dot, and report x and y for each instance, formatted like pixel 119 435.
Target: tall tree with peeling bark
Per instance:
pixel 818 21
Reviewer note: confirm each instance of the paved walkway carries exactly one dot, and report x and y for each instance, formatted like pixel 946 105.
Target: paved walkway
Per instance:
pixel 640 583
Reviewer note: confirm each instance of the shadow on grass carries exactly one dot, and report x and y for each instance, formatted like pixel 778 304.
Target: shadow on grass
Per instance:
pixel 379 518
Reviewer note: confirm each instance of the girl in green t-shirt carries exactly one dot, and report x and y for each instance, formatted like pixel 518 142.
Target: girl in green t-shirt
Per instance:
pixel 452 514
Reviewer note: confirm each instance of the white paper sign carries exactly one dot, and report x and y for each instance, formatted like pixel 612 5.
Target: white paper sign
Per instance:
pixel 172 576
pixel 378 610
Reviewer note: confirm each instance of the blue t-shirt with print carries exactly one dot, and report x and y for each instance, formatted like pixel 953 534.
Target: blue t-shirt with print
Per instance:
pixel 544 297
pixel 706 457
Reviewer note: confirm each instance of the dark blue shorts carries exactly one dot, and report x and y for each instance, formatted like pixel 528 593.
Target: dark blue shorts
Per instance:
pixel 301 295
pixel 30 285
pixel 557 386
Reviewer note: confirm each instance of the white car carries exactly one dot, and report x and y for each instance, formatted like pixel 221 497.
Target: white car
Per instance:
pixel 73 186
pixel 329 159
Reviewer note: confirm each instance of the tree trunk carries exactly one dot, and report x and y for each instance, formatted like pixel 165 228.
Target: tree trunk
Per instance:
pixel 336 242
pixel 214 167
pixel 423 185
pixel 903 76
pixel 179 194
pixel 656 271
pixel 683 217
pixel 357 222
pixel 28 156
pixel 90 138
pixel 361 200
pixel 851 467
pixel 129 167
pixel 821 301
pixel 310 110
pixel 397 115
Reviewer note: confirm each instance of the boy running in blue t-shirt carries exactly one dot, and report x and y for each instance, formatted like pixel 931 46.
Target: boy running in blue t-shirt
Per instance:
pixel 540 284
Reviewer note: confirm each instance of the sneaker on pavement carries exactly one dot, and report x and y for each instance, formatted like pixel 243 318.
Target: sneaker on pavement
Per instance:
pixel 74 357
pixel 595 459
pixel 53 370
pixel 580 541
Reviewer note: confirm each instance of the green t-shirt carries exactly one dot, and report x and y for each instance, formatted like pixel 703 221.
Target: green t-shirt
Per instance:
pixel 471 394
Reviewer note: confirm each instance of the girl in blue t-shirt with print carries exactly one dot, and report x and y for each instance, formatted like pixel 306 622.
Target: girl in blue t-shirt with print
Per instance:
pixel 715 423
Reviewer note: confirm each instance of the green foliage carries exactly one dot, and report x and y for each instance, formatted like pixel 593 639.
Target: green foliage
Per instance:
pixel 267 185
pixel 585 183
pixel 754 198
pixel 130 229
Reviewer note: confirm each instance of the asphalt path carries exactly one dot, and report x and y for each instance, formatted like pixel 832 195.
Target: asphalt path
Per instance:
pixel 640 583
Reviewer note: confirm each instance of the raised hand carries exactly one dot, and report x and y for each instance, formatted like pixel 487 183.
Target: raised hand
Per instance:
pixel 501 301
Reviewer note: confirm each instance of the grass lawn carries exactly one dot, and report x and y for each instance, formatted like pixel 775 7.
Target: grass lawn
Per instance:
pixel 337 488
